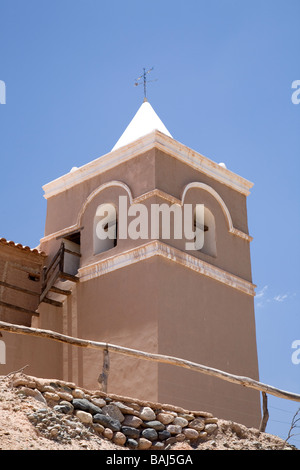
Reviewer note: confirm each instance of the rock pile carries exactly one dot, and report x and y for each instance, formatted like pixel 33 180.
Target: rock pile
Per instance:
pixel 68 412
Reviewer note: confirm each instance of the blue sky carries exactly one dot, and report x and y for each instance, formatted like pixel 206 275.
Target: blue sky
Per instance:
pixel 225 70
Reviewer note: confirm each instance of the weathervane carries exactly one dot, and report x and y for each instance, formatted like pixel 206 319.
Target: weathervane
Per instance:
pixel 145 81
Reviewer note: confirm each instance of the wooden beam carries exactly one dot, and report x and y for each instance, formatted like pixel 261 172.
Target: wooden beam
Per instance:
pixel 18 288
pixel 239 380
pixel 49 284
pixel 46 300
pixel 18 309
pixel 69 277
pixel 74 253
pixel 58 290
pixel 26 269
pixel 54 259
pixel 263 423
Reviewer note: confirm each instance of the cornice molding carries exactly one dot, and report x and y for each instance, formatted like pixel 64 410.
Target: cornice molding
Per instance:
pixel 158 248
pixel 153 140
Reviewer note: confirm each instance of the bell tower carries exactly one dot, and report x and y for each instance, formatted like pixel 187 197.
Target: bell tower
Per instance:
pixel 155 294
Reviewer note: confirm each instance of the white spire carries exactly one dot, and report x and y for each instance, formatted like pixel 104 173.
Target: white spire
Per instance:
pixel 144 122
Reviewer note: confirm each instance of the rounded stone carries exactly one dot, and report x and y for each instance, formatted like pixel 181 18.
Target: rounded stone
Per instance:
pixel 119 438
pixel 150 434
pixel 49 396
pixel 211 428
pixel 187 416
pixel 100 402
pixel 132 421
pixel 64 407
pixel 98 428
pixel 85 405
pixel 198 424
pixel 134 433
pixel 174 429
pixel 84 417
pixel 181 421
pixel 132 443
pixel 26 382
pixel 147 414
pixel 107 421
pixel 65 396
pixel 77 393
pixel 34 393
pixel 190 433
pixel 126 410
pixel 157 446
pixel 144 444
pixel 108 433
pixel 211 420
pixel 157 425
pixel 165 418
pixel 163 435
pixel 114 412
pixel 53 432
pixel 171 440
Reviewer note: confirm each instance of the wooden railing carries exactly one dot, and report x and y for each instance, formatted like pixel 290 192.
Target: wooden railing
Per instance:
pixel 54 271
pixel 160 358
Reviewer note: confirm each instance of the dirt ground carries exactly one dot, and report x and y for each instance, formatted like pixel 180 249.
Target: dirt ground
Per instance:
pixel 18 433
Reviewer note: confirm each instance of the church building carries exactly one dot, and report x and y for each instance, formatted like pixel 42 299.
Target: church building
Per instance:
pixel 148 290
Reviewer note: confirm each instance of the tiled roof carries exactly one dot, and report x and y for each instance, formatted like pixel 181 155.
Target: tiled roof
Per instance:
pixel 3 241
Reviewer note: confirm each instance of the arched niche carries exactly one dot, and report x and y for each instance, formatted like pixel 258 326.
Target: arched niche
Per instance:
pixel 105 228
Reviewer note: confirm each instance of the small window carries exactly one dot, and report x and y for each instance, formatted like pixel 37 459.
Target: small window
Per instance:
pixel 105 228
pixel 73 237
pixel 33 277
pixel 209 228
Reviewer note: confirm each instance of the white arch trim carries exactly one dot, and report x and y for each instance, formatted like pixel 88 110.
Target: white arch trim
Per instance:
pixel 155 192
pixel 97 191
pixel 73 228
pixel 224 208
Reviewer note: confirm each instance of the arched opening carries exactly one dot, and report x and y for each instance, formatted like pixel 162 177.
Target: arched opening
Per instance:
pixel 209 227
pixel 105 228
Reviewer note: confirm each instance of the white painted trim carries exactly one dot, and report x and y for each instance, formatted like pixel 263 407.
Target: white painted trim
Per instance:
pixel 139 199
pixel 158 193
pixel 153 140
pixel 98 190
pixel 157 248
pixel 221 202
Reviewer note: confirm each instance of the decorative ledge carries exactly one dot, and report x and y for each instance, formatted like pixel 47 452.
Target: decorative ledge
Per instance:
pixel 157 248
pixel 153 140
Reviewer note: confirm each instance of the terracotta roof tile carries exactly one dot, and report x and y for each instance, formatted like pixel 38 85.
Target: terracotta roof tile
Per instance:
pixel 3 241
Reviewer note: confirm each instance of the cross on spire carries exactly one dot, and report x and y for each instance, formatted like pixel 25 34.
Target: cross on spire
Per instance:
pixel 142 80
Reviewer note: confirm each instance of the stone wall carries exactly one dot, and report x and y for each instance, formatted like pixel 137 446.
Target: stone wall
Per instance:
pixel 70 412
